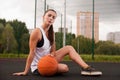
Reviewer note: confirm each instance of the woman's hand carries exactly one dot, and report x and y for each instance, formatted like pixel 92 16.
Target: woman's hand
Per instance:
pixel 20 74
pixel 52 53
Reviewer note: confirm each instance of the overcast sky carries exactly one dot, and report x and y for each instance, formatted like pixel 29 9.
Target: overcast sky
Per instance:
pixel 23 10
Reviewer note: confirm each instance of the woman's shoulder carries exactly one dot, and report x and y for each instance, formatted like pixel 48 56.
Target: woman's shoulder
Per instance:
pixel 36 32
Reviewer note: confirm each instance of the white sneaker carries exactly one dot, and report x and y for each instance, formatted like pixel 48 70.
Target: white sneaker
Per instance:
pixel 90 72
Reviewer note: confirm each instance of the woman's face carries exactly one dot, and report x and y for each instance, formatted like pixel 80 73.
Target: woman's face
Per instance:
pixel 49 17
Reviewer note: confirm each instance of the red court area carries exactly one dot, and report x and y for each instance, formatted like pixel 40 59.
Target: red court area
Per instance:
pixel 111 71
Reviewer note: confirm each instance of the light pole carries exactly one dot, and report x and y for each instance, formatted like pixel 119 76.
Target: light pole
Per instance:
pixel 93 32
pixel 35 13
pixel 64 35
pixel 44 5
pixel 61 30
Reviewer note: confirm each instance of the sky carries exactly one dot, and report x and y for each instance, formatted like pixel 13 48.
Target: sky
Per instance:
pixel 23 10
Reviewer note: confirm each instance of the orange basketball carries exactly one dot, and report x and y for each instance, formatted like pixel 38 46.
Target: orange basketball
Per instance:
pixel 47 66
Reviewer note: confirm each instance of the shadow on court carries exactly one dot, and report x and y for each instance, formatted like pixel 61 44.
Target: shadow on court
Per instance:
pixel 111 71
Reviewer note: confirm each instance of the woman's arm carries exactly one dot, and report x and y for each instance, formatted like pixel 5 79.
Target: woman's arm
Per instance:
pixel 53 46
pixel 34 37
pixel 53 49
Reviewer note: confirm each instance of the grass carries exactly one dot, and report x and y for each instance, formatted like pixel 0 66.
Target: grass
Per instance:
pixel 102 58
pixel 11 55
pixel 99 58
pixel 87 58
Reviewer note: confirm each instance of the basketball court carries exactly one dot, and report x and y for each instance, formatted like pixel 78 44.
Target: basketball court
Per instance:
pixel 111 71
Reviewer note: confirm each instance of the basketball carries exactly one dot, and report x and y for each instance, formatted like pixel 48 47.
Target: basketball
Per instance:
pixel 47 66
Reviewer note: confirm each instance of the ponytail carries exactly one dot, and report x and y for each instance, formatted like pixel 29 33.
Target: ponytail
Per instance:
pixel 50 31
pixel 51 35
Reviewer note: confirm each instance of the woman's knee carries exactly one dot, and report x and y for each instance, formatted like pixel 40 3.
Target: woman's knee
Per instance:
pixel 69 47
pixel 63 68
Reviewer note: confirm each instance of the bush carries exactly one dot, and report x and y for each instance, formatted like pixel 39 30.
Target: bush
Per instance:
pixel 108 48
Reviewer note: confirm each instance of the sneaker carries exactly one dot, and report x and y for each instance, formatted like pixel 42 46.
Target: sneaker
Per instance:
pixel 90 72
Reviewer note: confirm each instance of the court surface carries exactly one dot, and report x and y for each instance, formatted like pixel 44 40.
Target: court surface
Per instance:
pixel 111 71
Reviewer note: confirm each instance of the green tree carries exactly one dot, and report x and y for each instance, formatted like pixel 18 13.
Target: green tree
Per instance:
pixel 103 43
pixel 59 40
pixel 1 30
pixel 74 44
pixel 82 44
pixel 69 38
pixel 19 30
pixel 107 47
pixel 3 21
pixel 8 39
pixel 25 43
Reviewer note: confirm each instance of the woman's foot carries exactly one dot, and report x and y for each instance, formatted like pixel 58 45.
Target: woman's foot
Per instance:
pixel 89 71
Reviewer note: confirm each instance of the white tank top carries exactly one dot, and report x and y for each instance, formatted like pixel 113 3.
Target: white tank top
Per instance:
pixel 41 51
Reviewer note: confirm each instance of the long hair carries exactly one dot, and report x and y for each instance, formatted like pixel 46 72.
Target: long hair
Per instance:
pixel 50 31
pixel 51 35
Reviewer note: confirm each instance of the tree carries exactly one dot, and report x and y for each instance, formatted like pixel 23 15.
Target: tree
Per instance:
pixel 19 30
pixel 107 47
pixel 1 30
pixel 3 21
pixel 69 38
pixel 59 40
pixel 82 44
pixel 25 43
pixel 8 39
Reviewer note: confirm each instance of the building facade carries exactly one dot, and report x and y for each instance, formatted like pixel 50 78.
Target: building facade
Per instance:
pixel 84 25
pixel 114 37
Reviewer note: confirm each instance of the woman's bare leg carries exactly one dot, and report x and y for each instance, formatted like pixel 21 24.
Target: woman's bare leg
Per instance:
pixel 62 68
pixel 69 50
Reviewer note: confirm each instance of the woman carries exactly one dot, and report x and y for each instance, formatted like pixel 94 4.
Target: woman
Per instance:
pixel 42 43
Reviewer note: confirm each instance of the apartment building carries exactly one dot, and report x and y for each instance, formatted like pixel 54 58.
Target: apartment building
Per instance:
pixel 84 25
pixel 114 37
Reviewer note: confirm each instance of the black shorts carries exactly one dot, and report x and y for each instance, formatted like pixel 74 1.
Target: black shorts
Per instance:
pixel 36 72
